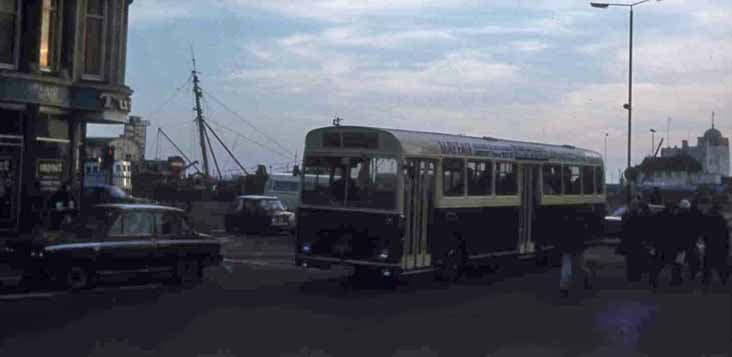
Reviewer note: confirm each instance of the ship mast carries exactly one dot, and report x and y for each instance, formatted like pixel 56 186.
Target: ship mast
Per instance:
pixel 199 118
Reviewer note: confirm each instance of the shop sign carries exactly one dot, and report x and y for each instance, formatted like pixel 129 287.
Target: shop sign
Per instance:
pixel 50 174
pixel 115 102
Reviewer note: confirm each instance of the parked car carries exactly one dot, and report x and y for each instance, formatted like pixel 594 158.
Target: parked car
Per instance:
pixel 258 214
pixel 614 222
pixel 101 194
pixel 117 239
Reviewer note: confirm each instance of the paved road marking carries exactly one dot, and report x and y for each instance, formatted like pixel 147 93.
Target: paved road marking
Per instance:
pixel 258 262
pixel 126 288
pixel 50 294
pixel 11 297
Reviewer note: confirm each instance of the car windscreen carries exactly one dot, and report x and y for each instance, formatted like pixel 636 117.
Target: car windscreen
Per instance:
pixel 272 205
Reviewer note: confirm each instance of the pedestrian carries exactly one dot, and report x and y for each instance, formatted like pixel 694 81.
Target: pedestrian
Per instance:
pixel 571 246
pixel 690 222
pixel 716 243
pixel 663 244
pixel 633 233
pixel 61 202
pixel 656 197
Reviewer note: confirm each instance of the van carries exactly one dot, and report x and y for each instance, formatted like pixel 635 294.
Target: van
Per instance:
pixel 285 187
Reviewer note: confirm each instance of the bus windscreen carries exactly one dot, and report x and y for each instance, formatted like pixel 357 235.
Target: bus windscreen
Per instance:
pixel 357 182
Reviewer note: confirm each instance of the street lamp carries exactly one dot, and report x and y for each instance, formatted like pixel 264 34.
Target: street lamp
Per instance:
pixel 605 149
pixel 628 106
pixel 653 140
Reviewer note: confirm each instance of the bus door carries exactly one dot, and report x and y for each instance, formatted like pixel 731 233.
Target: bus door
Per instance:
pixel 529 200
pixel 419 182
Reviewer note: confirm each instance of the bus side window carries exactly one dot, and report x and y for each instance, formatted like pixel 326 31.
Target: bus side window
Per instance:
pixel 506 179
pixel 552 179
pixel 588 180
pixel 599 180
pixel 571 178
pixel 480 178
pixel 453 171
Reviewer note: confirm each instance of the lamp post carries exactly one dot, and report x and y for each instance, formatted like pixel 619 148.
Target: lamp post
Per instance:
pixel 628 106
pixel 605 149
pixel 653 141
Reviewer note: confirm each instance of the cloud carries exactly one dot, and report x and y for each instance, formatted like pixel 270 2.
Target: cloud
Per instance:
pixel 162 11
pixel 340 11
pixel 693 55
pixel 353 36
pixel 467 71
pixel 529 46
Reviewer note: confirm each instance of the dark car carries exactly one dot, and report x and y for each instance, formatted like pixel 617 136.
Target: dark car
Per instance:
pixel 102 194
pixel 258 214
pixel 114 240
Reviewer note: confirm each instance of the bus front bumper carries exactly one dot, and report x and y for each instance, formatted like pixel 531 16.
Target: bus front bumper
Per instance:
pixel 326 262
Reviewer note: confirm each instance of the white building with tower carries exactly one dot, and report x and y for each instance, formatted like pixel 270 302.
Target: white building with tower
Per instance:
pixel 711 151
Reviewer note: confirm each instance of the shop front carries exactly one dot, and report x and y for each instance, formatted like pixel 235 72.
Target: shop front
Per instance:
pixel 42 133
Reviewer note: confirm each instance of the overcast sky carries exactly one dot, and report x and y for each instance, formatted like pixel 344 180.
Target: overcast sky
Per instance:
pixel 543 70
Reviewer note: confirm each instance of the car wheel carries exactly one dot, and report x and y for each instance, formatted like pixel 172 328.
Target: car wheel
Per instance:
pixel 452 265
pixel 78 277
pixel 188 272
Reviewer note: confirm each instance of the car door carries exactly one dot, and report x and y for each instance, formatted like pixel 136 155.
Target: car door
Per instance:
pixel 169 240
pixel 129 245
pixel 249 216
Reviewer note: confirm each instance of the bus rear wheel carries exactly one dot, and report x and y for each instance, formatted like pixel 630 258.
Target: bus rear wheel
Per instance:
pixel 452 266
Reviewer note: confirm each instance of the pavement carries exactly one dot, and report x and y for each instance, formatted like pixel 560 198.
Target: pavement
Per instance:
pixel 257 303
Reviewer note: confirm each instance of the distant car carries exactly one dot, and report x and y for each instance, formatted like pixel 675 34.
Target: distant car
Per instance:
pixel 614 222
pixel 258 214
pixel 117 239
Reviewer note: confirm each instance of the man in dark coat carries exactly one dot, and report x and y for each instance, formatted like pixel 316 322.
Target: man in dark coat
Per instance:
pixel 716 242
pixel 691 221
pixel 571 244
pixel 663 243
pixel 633 234
pixel 656 197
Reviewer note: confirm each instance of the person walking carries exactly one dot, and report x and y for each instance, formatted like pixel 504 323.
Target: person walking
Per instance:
pixel 571 245
pixel 656 197
pixel 690 223
pixel 633 234
pixel 716 243
pixel 663 243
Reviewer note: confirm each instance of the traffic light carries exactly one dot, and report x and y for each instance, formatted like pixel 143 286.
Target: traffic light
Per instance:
pixel 108 158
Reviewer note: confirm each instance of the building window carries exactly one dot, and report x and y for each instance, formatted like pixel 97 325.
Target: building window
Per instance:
pixel 9 32
pixel 94 38
pixel 453 179
pixel 572 183
pixel 506 179
pixel 49 31
pixel 480 178
pixel 552 175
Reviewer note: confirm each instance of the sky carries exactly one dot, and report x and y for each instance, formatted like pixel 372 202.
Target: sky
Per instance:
pixel 549 71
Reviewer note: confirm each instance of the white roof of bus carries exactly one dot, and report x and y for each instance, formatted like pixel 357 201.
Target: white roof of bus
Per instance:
pixel 426 143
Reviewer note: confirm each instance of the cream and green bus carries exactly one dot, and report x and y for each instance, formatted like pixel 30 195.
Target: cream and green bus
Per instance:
pixel 404 202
